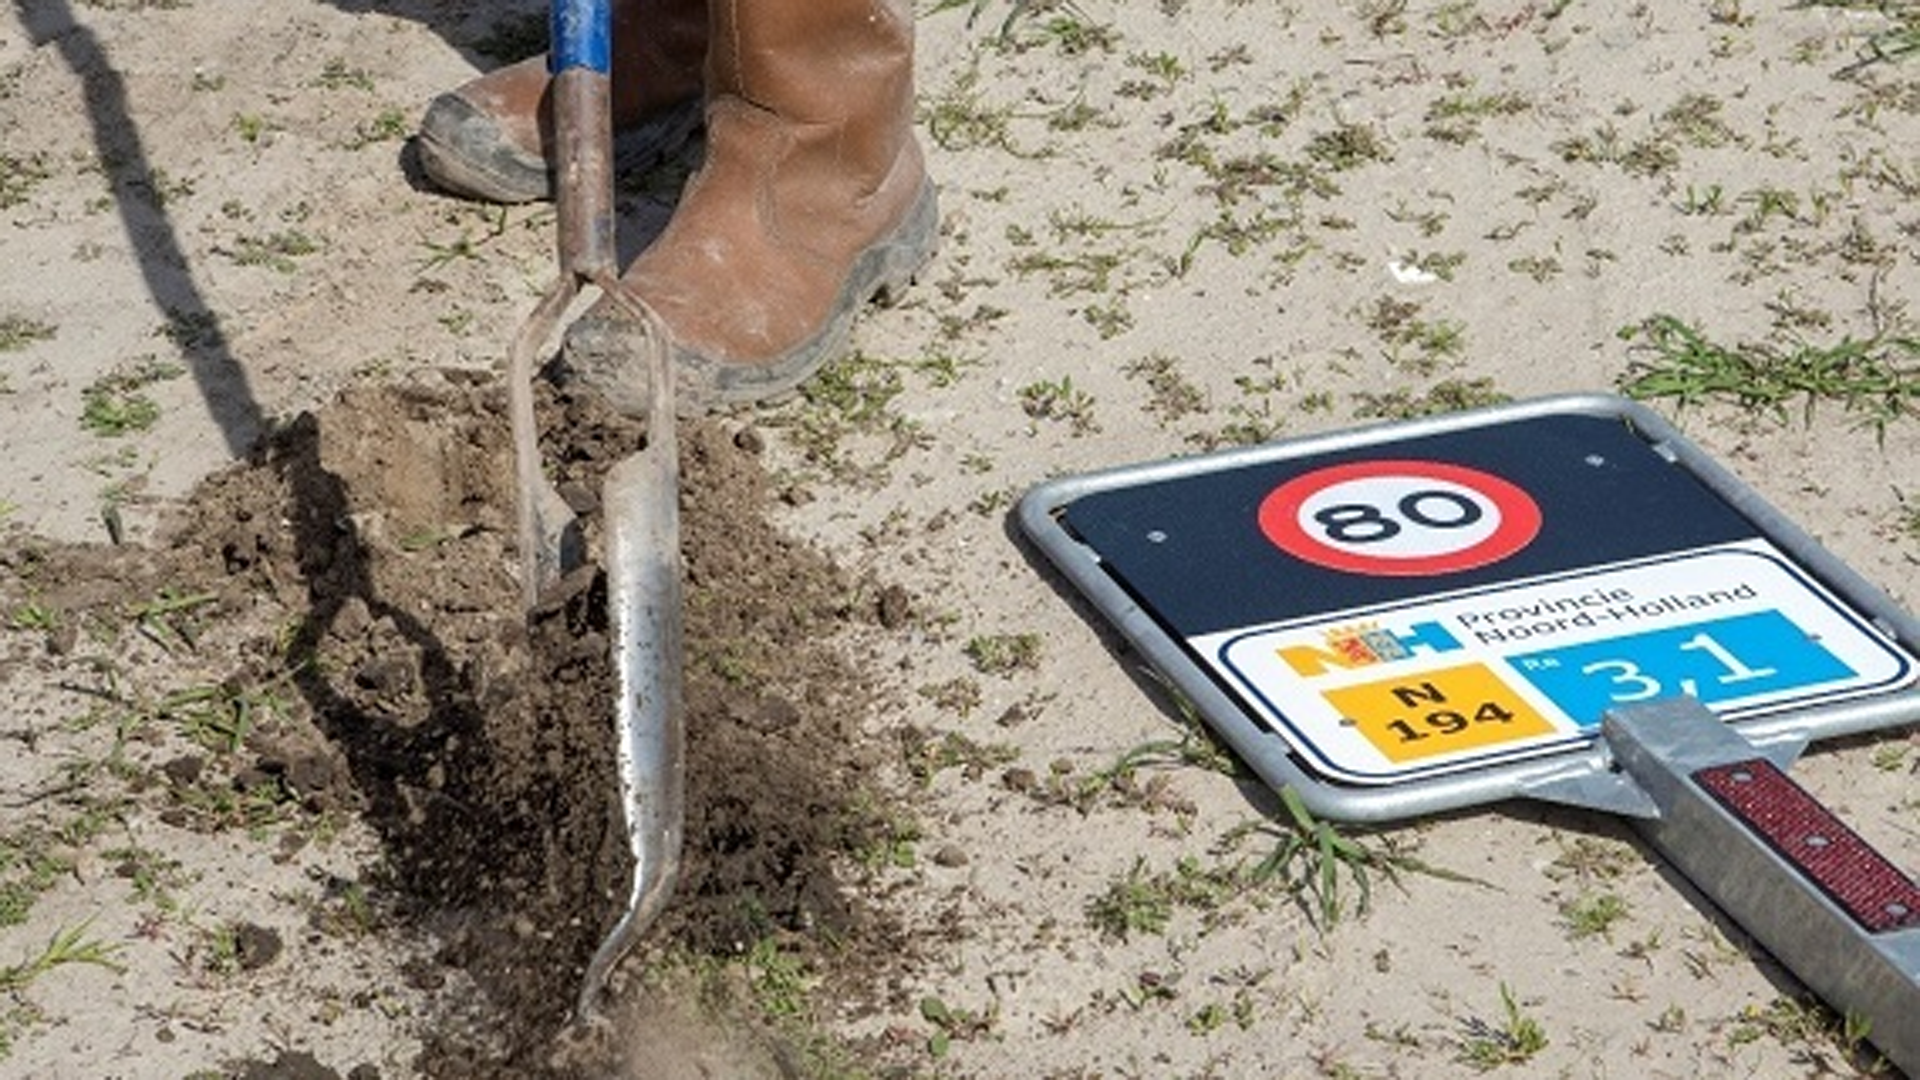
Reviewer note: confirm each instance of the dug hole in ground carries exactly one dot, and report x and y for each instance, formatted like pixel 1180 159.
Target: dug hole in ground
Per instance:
pixel 292 789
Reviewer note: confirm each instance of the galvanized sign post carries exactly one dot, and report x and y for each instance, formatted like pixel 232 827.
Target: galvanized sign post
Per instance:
pixel 1560 600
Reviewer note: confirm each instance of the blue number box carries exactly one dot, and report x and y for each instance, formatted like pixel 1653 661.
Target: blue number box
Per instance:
pixel 1719 662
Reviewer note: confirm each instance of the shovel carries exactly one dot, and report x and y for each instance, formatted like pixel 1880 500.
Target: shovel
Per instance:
pixel 639 496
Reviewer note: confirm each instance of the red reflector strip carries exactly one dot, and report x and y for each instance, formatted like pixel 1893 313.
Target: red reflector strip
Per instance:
pixel 1879 895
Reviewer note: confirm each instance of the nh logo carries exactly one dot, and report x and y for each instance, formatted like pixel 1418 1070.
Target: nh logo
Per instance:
pixel 1349 647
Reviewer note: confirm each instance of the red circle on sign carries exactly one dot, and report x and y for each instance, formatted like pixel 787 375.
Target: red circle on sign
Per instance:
pixel 1399 518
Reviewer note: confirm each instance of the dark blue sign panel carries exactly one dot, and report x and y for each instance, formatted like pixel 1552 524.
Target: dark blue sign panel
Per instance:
pixel 1196 549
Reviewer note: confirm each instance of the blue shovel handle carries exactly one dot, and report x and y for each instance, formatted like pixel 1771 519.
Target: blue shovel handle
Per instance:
pixel 580 59
pixel 582 36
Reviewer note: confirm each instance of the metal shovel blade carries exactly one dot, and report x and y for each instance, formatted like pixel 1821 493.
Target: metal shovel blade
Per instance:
pixel 641 500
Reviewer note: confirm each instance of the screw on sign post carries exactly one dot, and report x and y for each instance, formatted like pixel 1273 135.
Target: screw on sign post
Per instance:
pixel 1561 600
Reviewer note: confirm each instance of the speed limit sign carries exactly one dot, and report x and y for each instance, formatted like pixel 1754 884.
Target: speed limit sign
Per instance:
pixel 1399 518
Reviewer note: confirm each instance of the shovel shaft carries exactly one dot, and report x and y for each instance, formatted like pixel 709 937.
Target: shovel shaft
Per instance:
pixel 581 65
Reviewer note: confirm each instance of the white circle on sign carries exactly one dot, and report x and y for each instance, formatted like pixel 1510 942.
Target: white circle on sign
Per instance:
pixel 1399 518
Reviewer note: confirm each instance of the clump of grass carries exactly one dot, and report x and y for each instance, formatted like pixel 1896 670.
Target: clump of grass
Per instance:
pixel 339 75
pixel 961 118
pixel 1059 399
pixel 1456 117
pixel 927 755
pixel 18 331
pixel 1807 1022
pixel 1312 857
pixel 276 251
pixel 1448 395
pixel 1171 394
pixel 853 397
pixel 19 176
pixel 1877 378
pixel 1886 46
pixel 1144 903
pixel 1004 654
pixel 950 1023
pixel 117 404
pixel 1348 146
pixel 28 868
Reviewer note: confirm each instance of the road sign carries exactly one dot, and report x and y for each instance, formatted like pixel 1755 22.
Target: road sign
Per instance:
pixel 1425 615
pixel 1561 600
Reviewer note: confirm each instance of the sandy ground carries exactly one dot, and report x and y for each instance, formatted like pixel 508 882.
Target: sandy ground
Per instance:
pixel 1167 227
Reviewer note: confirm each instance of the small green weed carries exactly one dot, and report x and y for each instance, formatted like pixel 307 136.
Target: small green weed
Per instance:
pixel 1803 1021
pixel 928 756
pixel 1593 914
pixel 151 875
pixel 1518 1037
pixel 1411 342
pixel 1059 399
pixel 1311 857
pixel 251 127
pixel 35 616
pixel 950 1024
pixel 28 868
pixel 1004 654
pixel 116 403
pixel 388 125
pixel 1348 146
pixel 19 176
pixel 850 397
pixel 168 620
pixel 961 118
pixel 1068 31
pixel 1589 858
pixel 1884 46
pixel 1456 117
pixel 467 245
pixel 1144 903
pixel 275 251
pixel 339 75
pixel 68 946
pixel 17 332
pixel 1171 394
pixel 780 979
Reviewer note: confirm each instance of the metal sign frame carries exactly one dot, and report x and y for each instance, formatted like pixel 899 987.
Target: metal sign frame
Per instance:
pixel 1579 774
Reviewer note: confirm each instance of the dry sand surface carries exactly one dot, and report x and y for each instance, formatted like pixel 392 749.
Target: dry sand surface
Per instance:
pixel 287 789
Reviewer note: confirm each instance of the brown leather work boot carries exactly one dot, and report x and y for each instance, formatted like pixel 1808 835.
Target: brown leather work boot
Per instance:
pixel 488 139
pixel 813 198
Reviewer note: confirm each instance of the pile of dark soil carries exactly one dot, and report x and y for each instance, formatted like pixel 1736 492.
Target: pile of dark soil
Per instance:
pixel 480 746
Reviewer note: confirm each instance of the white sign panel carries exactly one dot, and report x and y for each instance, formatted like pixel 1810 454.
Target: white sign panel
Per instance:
pixel 1380 694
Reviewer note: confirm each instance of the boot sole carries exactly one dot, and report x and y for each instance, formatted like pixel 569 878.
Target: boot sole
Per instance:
pixel 595 353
